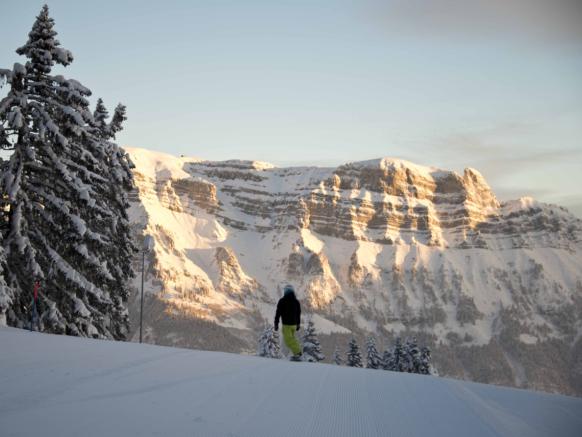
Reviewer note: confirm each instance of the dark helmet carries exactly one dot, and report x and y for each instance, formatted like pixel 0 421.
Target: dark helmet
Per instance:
pixel 288 289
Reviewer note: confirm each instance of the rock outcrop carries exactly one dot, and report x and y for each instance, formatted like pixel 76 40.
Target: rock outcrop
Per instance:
pixel 384 247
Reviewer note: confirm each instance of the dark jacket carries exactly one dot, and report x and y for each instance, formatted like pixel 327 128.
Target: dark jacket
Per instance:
pixel 289 310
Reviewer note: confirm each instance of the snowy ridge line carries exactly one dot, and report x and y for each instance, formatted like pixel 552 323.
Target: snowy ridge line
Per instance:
pixel 313 186
pixel 432 218
pixel 191 208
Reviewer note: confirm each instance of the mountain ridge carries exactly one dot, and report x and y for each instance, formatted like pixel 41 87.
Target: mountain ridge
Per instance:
pixel 373 247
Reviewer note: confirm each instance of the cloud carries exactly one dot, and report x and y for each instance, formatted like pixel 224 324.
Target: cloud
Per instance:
pixel 500 150
pixel 508 193
pixel 511 165
pixel 572 202
pixel 534 21
pixel 575 208
pixel 500 161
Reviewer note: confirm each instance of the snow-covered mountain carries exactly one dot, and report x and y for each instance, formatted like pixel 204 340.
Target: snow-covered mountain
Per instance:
pixel 65 386
pixel 383 246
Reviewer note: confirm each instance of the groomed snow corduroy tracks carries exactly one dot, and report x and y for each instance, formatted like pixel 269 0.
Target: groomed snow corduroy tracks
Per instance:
pixel 64 386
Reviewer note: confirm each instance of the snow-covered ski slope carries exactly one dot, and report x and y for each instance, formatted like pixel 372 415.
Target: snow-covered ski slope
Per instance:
pixel 64 386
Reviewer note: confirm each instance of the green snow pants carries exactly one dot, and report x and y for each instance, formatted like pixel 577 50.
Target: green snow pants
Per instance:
pixel 290 340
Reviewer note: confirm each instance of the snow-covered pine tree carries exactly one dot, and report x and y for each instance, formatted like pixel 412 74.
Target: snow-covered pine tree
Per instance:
pixel 311 346
pixel 117 169
pixel 53 182
pixel 5 291
pixel 32 174
pixel 354 356
pixel 373 360
pixel 337 359
pixel 425 367
pixel 108 215
pixel 387 360
pixel 269 343
pixel 398 357
pixel 100 116
pixel 412 356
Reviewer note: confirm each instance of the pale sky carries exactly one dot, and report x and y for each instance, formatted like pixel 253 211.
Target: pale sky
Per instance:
pixel 495 85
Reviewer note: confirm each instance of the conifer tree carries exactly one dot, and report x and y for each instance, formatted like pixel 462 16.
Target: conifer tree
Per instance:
pixel 337 359
pixel 5 291
pixel 425 367
pixel 119 181
pixel 30 116
pixel 387 360
pixel 100 116
pixel 269 343
pixel 398 357
pixel 311 346
pixel 412 354
pixel 373 360
pixel 58 190
pixel 354 356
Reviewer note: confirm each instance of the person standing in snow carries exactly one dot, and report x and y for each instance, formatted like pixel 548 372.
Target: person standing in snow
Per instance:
pixel 289 310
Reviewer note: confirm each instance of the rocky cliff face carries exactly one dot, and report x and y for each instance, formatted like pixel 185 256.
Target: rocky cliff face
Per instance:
pixel 383 247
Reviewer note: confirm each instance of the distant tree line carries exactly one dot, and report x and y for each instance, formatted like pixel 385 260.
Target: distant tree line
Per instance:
pixel 405 356
pixel 269 344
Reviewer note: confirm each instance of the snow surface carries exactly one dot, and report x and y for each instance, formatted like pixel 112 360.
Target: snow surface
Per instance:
pixel 151 163
pixel 387 163
pixel 66 386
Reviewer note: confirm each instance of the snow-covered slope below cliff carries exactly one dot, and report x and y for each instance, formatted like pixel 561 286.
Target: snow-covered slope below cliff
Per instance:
pixel 382 247
pixel 65 386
